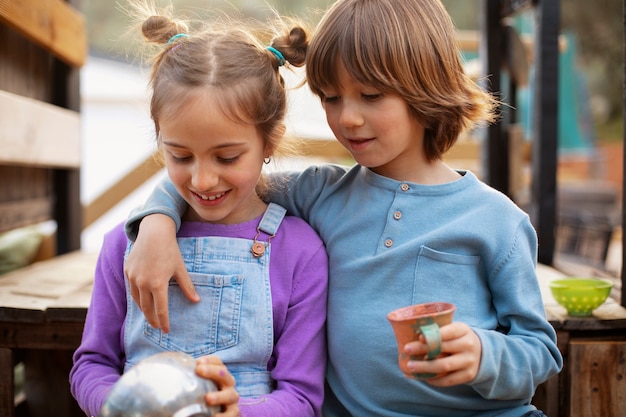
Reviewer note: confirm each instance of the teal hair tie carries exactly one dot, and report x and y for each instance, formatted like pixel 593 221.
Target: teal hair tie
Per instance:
pixel 278 55
pixel 177 36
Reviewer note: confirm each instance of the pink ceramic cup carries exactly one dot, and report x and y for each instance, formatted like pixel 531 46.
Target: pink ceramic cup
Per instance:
pixel 410 322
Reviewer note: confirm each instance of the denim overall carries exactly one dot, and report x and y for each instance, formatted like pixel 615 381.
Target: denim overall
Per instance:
pixel 234 318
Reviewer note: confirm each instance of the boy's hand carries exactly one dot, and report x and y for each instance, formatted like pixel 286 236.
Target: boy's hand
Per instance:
pixel 153 260
pixel 464 351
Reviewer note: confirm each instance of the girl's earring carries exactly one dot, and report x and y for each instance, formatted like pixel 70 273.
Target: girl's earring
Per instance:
pixel 267 160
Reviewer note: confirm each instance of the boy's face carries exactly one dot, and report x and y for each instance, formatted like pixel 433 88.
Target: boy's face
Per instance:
pixel 376 128
pixel 214 163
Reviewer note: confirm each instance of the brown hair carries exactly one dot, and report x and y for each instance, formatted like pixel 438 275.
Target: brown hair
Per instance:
pixel 226 60
pixel 406 48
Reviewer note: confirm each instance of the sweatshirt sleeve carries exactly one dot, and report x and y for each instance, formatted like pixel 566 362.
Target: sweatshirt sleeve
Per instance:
pixel 163 200
pixel 298 363
pixel 527 342
pixel 99 360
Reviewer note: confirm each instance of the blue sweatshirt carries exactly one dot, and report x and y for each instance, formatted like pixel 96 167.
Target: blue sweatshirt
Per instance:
pixel 393 244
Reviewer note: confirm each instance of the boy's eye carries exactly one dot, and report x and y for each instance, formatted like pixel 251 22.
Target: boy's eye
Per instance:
pixel 330 99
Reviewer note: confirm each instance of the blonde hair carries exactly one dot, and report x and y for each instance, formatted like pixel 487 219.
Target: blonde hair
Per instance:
pixel 406 48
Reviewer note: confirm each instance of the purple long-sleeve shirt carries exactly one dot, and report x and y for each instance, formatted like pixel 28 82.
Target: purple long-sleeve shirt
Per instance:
pixel 298 277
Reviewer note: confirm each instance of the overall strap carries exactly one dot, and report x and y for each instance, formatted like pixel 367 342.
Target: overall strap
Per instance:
pixel 271 219
pixel 269 224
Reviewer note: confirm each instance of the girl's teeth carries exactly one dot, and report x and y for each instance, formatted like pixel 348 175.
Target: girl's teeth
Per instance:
pixel 210 197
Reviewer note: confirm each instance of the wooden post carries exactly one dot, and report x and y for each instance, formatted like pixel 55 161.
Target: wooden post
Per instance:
pixel 7 379
pixel 545 127
pixel 495 166
pixel 68 211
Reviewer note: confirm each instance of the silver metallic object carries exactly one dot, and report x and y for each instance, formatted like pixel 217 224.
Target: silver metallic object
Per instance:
pixel 162 385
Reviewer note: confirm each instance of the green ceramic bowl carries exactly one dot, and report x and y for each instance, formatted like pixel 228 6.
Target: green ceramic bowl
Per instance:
pixel 580 296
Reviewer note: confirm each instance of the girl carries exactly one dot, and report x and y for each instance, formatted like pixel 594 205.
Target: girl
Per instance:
pixel 401 227
pixel 218 104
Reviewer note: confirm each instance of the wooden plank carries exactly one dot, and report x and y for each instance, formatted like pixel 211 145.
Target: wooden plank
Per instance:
pixel 73 270
pixel 43 335
pixel 6 383
pixel 37 133
pixel 598 387
pixel 121 189
pixel 71 307
pixel 24 213
pixel 495 164
pixel 68 209
pixel 53 24
pixel 61 283
pixel 545 130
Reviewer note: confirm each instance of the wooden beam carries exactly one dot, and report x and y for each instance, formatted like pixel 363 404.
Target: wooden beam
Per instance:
pixel 545 127
pixel 495 163
pixel 122 188
pixel 25 212
pixel 53 24
pixel 7 376
pixel 596 379
pixel 68 210
pixel 38 134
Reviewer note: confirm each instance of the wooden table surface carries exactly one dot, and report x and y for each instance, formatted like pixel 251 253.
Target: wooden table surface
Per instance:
pixel 56 289
pixel 42 312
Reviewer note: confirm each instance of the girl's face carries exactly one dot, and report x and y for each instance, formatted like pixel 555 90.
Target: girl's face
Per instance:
pixel 214 162
pixel 376 128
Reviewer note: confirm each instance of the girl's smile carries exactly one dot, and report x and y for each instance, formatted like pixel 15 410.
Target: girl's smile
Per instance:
pixel 212 199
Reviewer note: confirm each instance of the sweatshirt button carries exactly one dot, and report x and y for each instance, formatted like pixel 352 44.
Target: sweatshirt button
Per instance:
pixel 388 243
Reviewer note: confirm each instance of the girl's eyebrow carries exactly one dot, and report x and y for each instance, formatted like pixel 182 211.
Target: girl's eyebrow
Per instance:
pixel 173 144
pixel 220 146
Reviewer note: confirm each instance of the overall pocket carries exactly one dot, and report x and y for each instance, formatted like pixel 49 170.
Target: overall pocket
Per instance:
pixel 208 326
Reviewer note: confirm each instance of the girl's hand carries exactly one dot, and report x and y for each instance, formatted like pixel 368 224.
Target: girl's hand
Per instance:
pixel 152 261
pixel 211 367
pixel 464 350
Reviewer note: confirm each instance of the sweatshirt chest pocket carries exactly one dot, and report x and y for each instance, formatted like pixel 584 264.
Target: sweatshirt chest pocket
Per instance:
pixel 455 278
pixel 205 327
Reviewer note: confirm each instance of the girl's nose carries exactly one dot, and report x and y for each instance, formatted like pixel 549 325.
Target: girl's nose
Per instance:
pixel 204 178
